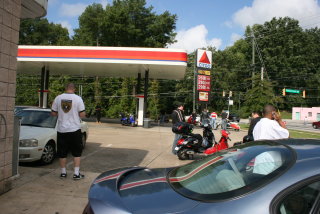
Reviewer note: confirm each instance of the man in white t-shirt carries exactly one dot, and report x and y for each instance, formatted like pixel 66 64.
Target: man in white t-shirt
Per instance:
pixel 270 126
pixel 69 108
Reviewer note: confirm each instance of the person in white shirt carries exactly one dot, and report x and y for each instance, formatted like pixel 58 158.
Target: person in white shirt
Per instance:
pixel 69 108
pixel 213 116
pixel 270 126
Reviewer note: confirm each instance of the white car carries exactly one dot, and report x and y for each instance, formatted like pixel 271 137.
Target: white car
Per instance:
pixel 38 135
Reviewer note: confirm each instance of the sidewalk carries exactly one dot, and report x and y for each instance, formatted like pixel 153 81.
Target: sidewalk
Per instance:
pixel 39 189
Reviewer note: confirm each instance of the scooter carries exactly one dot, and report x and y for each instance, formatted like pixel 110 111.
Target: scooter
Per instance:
pixel 221 145
pixel 230 125
pixel 127 121
pixel 191 143
pixel 233 125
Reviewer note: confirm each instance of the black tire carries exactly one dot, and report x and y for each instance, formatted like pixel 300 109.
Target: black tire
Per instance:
pixel 314 126
pixel 84 140
pixel 49 153
pixel 182 154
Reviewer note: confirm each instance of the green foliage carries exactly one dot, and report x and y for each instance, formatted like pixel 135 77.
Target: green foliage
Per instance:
pixel 260 95
pixel 27 90
pixel 40 32
pixel 153 101
pixel 126 23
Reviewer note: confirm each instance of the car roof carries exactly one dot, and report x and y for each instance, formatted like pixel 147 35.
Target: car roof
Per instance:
pixel 304 148
pixel 37 109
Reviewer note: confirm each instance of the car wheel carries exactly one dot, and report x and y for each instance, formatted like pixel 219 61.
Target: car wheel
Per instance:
pixel 84 140
pixel 314 126
pixel 182 154
pixel 49 153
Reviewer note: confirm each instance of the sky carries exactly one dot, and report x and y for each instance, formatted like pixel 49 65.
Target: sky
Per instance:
pixel 203 23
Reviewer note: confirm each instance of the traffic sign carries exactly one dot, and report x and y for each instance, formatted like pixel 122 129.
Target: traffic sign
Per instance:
pixel 293 91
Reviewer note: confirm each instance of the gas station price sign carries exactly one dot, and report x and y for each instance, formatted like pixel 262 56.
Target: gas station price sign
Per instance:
pixel 203 75
pixel 203 83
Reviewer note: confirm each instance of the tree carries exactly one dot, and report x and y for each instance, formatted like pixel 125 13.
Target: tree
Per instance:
pixel 40 32
pixel 290 54
pixel 153 103
pixel 259 95
pixel 90 26
pixel 127 23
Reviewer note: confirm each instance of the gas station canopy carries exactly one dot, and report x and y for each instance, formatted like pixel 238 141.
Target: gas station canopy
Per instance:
pixel 161 63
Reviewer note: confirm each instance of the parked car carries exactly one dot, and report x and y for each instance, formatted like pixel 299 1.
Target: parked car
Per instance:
pixel 281 176
pixel 316 125
pixel 17 109
pixel 38 135
pixel 234 117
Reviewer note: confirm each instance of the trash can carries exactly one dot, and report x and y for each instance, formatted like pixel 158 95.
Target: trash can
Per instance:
pixel 146 123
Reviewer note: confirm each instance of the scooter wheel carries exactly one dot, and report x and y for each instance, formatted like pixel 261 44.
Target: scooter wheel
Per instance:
pixel 182 154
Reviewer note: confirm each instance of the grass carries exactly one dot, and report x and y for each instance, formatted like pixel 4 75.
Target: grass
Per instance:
pixel 293 133
pixel 244 126
pixel 303 134
pixel 286 115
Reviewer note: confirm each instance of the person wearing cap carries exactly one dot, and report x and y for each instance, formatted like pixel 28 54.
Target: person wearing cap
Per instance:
pixel 177 116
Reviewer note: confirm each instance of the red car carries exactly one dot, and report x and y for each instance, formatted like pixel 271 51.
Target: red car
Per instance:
pixel 316 125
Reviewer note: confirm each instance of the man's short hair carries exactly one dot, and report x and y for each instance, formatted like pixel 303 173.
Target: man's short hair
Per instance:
pixel 268 109
pixel 178 104
pixel 256 112
pixel 70 86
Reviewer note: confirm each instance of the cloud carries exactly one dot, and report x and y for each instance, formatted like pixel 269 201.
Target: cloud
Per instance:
pixel 72 10
pixel 104 3
pixel 306 11
pixel 67 25
pixel 235 37
pixel 194 38
pixel 52 2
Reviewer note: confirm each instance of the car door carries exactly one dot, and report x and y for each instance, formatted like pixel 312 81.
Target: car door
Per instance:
pixel 301 198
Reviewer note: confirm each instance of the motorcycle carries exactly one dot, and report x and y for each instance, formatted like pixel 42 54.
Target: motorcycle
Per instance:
pixel 191 143
pixel 127 121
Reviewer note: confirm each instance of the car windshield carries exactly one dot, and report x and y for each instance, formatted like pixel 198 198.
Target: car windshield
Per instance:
pixel 37 118
pixel 232 172
pixel 17 109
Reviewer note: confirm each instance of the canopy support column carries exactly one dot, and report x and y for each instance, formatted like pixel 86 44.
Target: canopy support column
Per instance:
pixel 140 103
pixel 44 90
pixel 146 86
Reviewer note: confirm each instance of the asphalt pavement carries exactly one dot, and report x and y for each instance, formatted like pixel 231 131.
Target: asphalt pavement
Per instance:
pixel 38 189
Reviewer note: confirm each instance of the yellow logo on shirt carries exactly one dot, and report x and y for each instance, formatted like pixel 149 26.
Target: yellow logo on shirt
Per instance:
pixel 66 105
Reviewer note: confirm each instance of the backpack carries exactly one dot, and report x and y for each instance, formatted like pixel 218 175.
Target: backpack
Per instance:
pixel 182 128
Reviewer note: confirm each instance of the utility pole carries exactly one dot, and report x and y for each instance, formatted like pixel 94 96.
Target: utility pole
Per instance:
pixel 239 101
pixel 194 83
pixel 262 69
pixel 253 57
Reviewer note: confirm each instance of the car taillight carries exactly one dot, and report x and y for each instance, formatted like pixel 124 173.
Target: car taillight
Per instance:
pixel 88 210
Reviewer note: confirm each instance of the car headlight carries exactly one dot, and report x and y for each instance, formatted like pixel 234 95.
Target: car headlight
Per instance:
pixel 28 143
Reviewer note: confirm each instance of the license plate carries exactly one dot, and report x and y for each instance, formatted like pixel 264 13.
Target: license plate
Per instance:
pixel 177 148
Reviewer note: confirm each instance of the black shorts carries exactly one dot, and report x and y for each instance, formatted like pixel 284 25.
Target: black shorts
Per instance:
pixel 69 141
